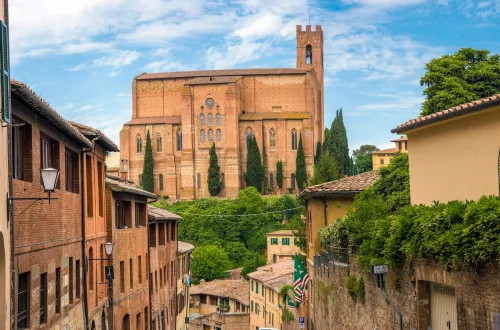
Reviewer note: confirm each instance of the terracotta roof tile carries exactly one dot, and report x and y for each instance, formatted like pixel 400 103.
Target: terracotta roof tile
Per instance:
pixel 274 115
pixel 158 214
pixel 234 289
pixel 282 233
pixel 385 151
pixel 348 186
pixel 279 282
pixel 183 247
pixel 118 186
pixel 92 133
pixel 216 73
pixel 458 110
pixel 155 120
pixel 272 271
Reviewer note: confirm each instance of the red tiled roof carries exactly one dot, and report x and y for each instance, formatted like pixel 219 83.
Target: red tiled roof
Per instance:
pixel 155 120
pixel 272 271
pixel 459 110
pixel 158 214
pixel 92 133
pixel 348 186
pixel 118 186
pixel 385 151
pixel 183 247
pixel 233 289
pixel 215 73
pixel 282 233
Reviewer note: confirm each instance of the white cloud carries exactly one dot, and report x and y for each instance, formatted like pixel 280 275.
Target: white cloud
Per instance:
pixel 89 107
pixel 385 3
pixel 116 61
pixel 78 67
pixel 167 65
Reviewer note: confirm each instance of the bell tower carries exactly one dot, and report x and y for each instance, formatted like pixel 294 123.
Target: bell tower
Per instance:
pixel 310 50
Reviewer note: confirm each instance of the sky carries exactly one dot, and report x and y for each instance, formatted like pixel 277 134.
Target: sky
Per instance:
pixel 82 55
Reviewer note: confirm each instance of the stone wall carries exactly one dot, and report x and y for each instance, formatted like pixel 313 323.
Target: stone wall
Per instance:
pixel 476 292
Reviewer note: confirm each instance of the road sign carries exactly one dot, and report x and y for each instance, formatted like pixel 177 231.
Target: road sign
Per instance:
pixel 381 269
pixel 301 322
pixel 110 273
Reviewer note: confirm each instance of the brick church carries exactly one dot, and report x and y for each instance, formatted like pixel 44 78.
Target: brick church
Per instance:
pixel 185 112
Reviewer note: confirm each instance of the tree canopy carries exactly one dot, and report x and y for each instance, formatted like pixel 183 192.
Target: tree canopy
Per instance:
pixel 254 176
pixel 300 164
pixel 279 174
pixel 465 76
pixel 326 169
pixel 147 170
pixel 209 262
pixel 363 158
pixel 336 142
pixel 214 179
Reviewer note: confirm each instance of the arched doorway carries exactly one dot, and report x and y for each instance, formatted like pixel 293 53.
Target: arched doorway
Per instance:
pixel 93 326
pixel 104 326
pixel 126 322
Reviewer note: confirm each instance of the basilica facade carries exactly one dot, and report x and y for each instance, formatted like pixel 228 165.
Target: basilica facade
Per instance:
pixel 186 112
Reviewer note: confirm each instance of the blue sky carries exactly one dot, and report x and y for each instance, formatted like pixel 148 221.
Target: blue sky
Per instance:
pixel 81 56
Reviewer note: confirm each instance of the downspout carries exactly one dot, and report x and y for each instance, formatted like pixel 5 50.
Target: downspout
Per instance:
pixel 84 259
pixel 325 206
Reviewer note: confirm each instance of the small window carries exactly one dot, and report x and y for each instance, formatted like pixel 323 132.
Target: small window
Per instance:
pixel 285 241
pixel 43 298
pixel 131 273
pixel 218 119
pixel 23 300
pixel 138 325
pixel 271 181
pixel 49 154
pixel 202 120
pixel 161 234
pixel 70 280
pixel 91 269
pixel 100 187
pixel 309 54
pixel 160 180
pixel 179 140
pixel 406 145
pixel 139 269
pixel 90 186
pixel 126 322
pixel 210 135
pixel 123 211
pixel 159 143
pixel 146 318
pixel 248 137
pixel 122 276
pixel 71 171
pixel 274 241
pixel 223 180
pixel 202 135
pixel 138 141
pixel 272 140
pixel 140 215
pixel 198 180
pixel 400 145
pixel 382 161
pixel 21 151
pixel 152 235
pixel 292 181
pixel 294 139
pixel 218 135
pixel 58 290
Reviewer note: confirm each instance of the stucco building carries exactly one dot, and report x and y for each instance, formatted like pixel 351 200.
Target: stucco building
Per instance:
pixel 384 157
pixel 183 283
pixel 186 112
pixel 281 245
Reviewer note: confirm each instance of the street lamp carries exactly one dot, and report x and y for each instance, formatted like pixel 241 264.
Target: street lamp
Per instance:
pixel 108 248
pixel 49 182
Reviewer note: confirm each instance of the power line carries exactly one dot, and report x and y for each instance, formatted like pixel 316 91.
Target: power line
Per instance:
pixel 235 215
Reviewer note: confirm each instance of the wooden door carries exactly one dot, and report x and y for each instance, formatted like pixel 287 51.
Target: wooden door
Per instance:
pixel 443 307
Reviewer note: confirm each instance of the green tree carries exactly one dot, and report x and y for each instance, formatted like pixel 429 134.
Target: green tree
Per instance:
pixel 209 262
pixel 237 252
pixel 300 164
pixel 279 174
pixel 363 158
pixel 465 76
pixel 319 150
pixel 252 263
pixel 254 175
pixel 337 143
pixel 264 161
pixel 326 170
pixel 214 178
pixel 147 170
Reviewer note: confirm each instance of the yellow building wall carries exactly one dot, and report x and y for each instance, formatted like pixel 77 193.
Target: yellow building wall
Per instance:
pixel 282 252
pixel 336 208
pixel 457 159
pixel 377 160
pixel 270 302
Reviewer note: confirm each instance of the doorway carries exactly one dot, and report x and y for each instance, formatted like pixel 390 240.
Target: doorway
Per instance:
pixel 443 307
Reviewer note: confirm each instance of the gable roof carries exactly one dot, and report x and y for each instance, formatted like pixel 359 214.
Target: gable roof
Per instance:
pixel 118 186
pixel 456 111
pixel 233 289
pixel 158 214
pixel 284 232
pixel 216 73
pixel 271 272
pixel 92 133
pixel 345 187
pixel 183 247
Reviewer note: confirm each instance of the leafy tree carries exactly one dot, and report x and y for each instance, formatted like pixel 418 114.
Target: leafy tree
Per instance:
pixel 319 150
pixel 300 163
pixel 279 174
pixel 363 158
pixel 337 143
pixel 252 263
pixel 326 170
pixel 465 76
pixel 214 178
pixel 254 175
pixel 209 262
pixel 147 170
pixel 237 252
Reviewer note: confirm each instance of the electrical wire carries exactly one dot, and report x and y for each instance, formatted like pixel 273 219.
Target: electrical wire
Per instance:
pixel 235 215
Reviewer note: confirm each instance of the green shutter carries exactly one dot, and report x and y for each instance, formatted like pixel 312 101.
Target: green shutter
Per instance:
pixel 257 287
pixel 252 286
pixel 5 74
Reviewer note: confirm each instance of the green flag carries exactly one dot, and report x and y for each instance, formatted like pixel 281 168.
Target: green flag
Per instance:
pixel 300 279
pixel 290 303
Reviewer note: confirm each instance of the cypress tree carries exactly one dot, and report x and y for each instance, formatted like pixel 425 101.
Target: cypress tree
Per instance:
pixel 326 170
pixel 279 174
pixel 147 170
pixel 337 143
pixel 255 172
pixel 319 148
pixel 300 163
pixel 214 179
pixel 344 145
pixel 264 160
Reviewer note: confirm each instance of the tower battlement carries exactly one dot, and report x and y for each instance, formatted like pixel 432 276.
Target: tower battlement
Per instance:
pixel 308 28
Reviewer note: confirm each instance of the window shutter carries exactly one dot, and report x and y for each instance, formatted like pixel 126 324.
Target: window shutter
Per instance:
pixel 5 74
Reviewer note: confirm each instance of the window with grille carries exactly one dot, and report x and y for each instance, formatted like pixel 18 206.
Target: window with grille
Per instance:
pixel 58 290
pixel 43 298
pixel 23 301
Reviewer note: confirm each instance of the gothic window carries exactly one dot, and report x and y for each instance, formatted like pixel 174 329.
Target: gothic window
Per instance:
pixel 248 136
pixel 210 119
pixel 218 119
pixel 202 120
pixel 179 140
pixel 210 135
pixel 202 135
pixel 159 144
pixel 218 135
pixel 139 144
pixel 294 139
pixel 272 139
pixel 309 54
pixel 160 179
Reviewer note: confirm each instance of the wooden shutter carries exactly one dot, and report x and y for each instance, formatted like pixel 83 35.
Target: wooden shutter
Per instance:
pixel 5 73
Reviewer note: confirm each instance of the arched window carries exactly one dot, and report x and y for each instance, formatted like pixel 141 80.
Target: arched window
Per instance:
pixel 91 269
pixel 210 135
pixel 92 327
pixel 160 179
pixel 218 119
pixel 292 181
pixel 179 140
pixel 309 54
pixel 272 139
pixel 202 120
pixel 159 143
pixel 218 135
pixel 294 139
pixel 126 322
pixel 202 135
pixel 139 144
pixel 248 136
pixel 210 119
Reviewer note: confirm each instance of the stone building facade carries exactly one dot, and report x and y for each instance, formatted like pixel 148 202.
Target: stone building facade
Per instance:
pixel 186 112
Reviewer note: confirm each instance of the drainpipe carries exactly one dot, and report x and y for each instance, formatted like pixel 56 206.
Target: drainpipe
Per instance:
pixel 324 208
pixel 84 259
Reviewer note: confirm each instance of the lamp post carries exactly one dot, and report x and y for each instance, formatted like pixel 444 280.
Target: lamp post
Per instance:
pixel 49 182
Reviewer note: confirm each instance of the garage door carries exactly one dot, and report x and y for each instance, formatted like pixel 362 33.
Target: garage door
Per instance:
pixel 443 307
